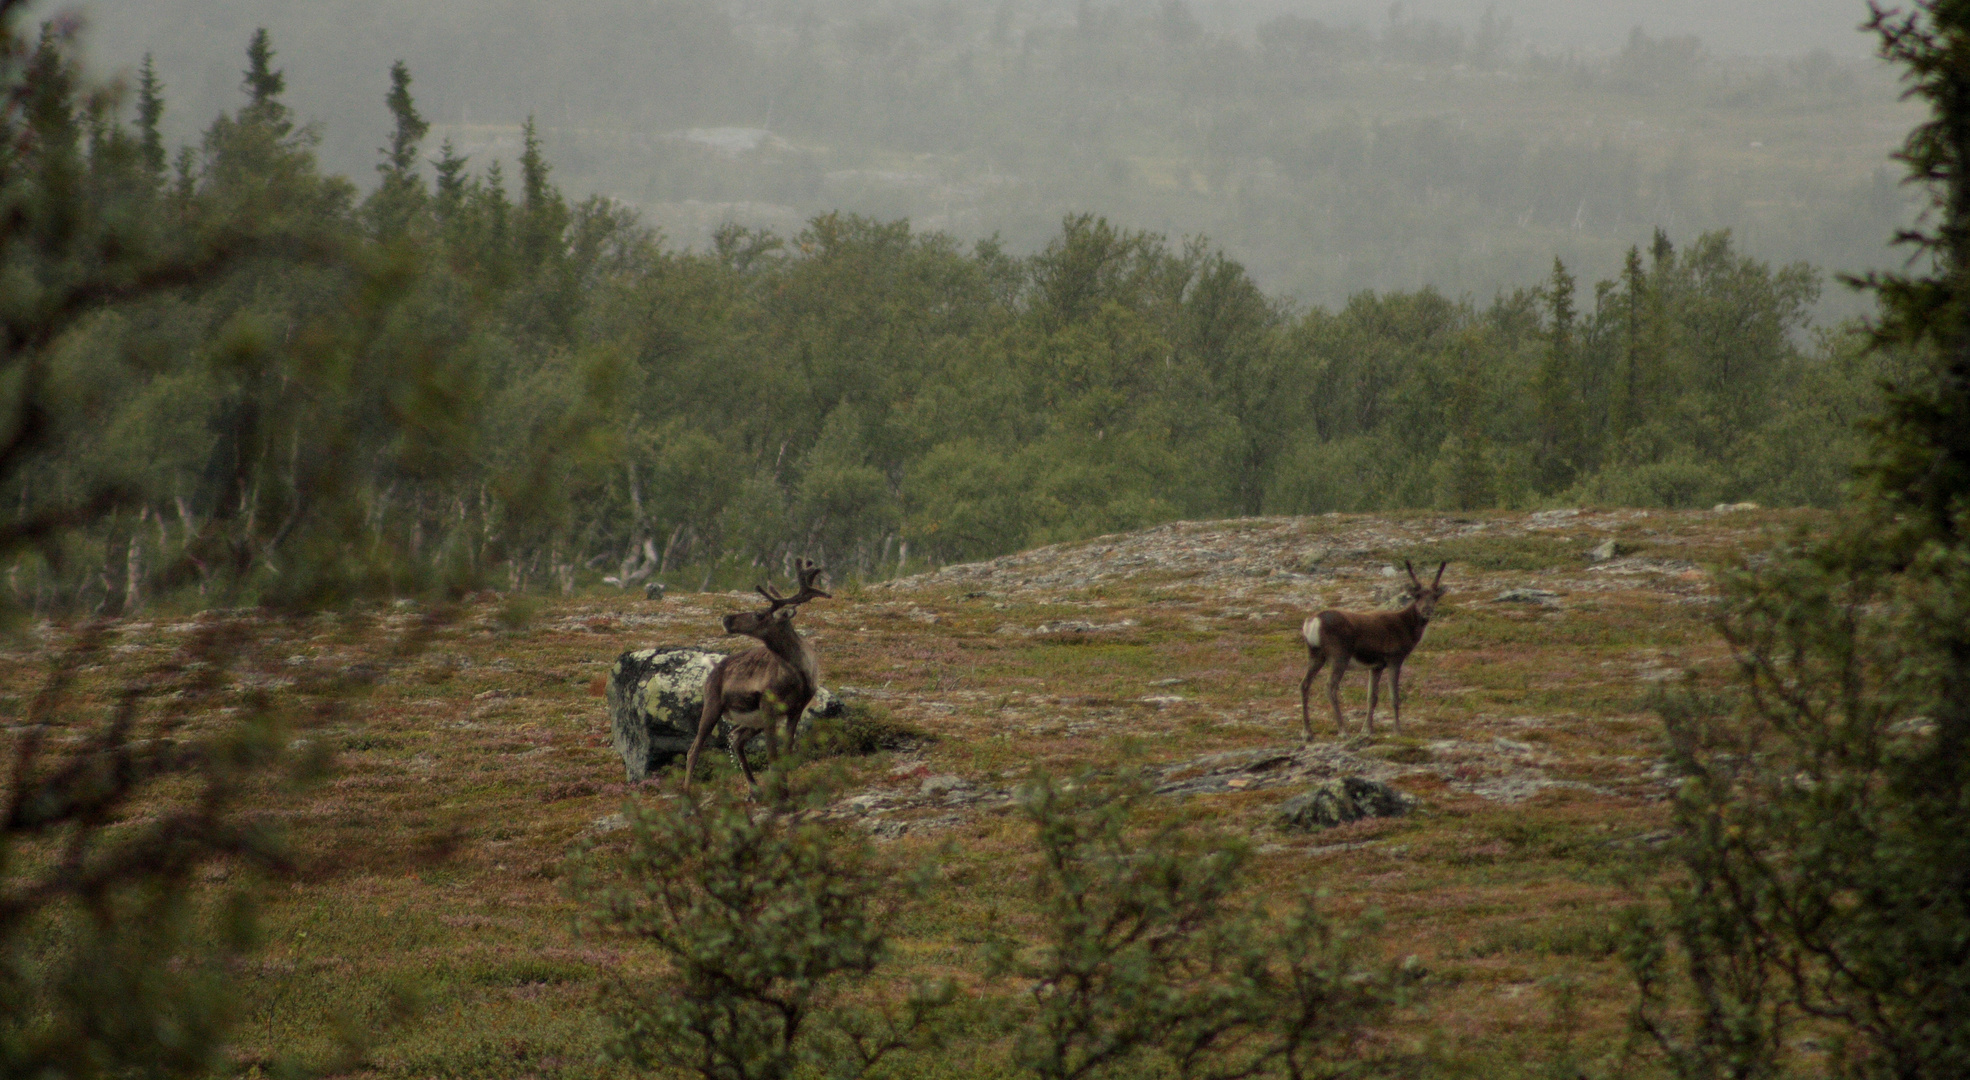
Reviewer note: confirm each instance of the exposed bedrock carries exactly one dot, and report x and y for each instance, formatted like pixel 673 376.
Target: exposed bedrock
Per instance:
pixel 1340 801
pixel 655 699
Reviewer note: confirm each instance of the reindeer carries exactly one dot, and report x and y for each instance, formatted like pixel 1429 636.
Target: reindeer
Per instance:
pixel 754 688
pixel 1379 639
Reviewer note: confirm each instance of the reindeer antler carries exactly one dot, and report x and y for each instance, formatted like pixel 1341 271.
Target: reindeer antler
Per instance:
pixel 806 570
pixel 1434 582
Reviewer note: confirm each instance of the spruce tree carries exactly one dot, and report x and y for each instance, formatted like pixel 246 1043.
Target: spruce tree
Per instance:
pixel 264 86
pixel 543 213
pixel 1557 451
pixel 400 158
pixel 493 233
pixel 1468 479
pixel 150 110
pixel 401 194
pixel 1923 463
pixel 1823 811
pixel 450 182
pixel 119 954
pixel 1628 414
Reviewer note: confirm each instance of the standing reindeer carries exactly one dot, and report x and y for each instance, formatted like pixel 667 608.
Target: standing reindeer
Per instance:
pixel 1377 638
pixel 754 688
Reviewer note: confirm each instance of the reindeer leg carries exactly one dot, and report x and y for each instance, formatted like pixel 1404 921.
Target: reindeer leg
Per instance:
pixel 1374 692
pixel 793 725
pixel 707 721
pixel 739 738
pixel 1395 697
pixel 1334 694
pixel 1316 659
pixel 691 759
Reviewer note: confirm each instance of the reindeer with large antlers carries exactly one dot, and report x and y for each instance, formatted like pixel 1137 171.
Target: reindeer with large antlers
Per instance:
pixel 754 688
pixel 1379 639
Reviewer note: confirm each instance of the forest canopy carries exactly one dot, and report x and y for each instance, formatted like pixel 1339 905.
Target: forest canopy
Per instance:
pixel 592 404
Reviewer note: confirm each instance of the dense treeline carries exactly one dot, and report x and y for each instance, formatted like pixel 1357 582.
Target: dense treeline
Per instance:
pixel 591 404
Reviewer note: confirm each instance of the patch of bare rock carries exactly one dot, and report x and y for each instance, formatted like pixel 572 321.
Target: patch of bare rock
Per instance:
pixel 1282 557
pixel 1498 770
pixel 1334 803
pixel 1333 782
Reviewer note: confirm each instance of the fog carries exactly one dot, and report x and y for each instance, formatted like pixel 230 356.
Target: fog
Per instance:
pixel 1728 27
pixel 1330 145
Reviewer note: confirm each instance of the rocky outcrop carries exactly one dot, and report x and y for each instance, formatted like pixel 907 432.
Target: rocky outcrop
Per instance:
pixel 1339 801
pixel 655 699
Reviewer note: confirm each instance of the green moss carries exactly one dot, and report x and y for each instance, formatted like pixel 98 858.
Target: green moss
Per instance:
pixel 861 729
pixel 528 971
pixel 1587 936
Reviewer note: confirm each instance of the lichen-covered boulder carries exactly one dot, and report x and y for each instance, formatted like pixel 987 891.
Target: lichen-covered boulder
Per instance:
pixel 655 699
pixel 1339 801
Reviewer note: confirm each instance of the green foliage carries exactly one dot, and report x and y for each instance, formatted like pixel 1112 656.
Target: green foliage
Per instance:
pixel 264 85
pixel 150 109
pixel 1823 818
pixel 860 729
pixel 1148 958
pixel 769 922
pixel 1559 447
pixel 118 955
pixel 543 394
pixel 128 988
pixel 227 351
pixel 395 202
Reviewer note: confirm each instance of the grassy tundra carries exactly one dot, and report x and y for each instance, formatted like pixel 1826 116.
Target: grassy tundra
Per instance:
pixel 433 859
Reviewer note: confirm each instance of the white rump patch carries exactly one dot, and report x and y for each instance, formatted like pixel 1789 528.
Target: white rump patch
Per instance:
pixel 1310 630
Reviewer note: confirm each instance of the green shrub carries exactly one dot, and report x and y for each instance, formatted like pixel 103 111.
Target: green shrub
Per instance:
pixel 859 730
pixel 769 924
pixel 1149 960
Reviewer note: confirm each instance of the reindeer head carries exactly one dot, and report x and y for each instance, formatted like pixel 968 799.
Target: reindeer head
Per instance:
pixel 780 609
pixel 1425 596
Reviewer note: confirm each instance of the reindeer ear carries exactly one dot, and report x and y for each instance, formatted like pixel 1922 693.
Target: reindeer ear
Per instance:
pixel 785 614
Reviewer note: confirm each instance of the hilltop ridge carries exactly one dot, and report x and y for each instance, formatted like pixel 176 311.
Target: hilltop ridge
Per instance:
pixel 1170 654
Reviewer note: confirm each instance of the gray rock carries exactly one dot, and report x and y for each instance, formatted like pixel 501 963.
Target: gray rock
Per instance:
pixel 655 699
pixel 939 785
pixel 653 591
pixel 1527 596
pixel 1605 551
pixel 1310 559
pixel 1077 626
pixel 1339 801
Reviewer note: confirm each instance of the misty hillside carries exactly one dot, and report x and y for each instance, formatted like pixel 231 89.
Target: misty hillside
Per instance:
pixel 1327 151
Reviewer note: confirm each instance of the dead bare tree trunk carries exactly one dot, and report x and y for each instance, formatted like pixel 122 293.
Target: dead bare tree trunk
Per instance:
pixel 133 565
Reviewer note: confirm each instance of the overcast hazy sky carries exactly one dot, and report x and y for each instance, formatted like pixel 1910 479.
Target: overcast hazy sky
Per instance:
pixel 336 54
pixel 1728 27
